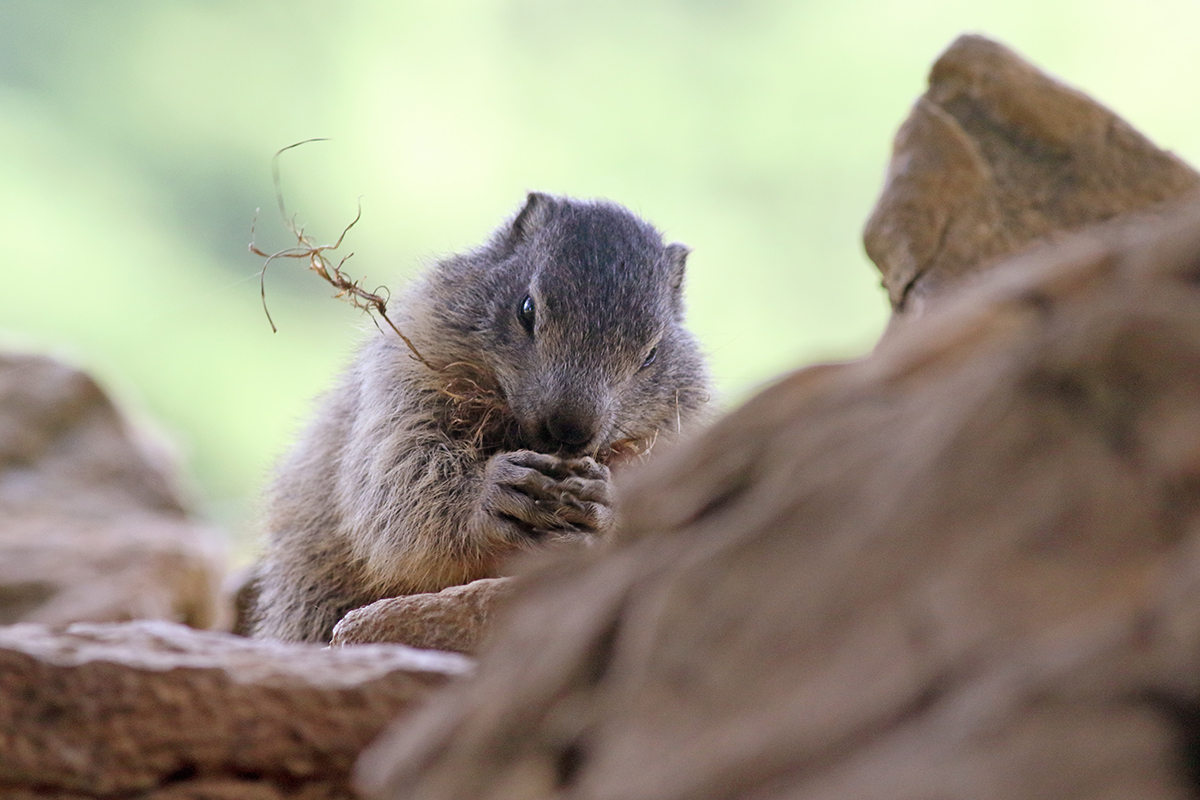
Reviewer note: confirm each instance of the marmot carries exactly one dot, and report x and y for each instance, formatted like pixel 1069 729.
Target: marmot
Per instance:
pixel 552 351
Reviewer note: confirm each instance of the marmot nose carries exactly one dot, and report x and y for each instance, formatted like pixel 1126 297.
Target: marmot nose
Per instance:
pixel 572 430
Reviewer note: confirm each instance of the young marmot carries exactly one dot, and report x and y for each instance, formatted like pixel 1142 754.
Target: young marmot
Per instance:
pixel 552 351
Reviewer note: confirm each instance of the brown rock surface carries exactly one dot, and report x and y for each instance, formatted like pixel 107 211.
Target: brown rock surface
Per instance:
pixel 455 619
pixel 60 568
pixel 92 526
pixel 208 789
pixel 967 566
pixel 996 155
pixel 158 710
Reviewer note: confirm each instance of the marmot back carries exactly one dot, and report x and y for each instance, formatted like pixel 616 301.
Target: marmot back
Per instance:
pixel 554 351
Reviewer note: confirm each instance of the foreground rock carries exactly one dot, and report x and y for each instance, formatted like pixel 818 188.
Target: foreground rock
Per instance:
pixel 157 710
pixel 965 567
pixel 92 526
pixel 995 156
pixel 455 619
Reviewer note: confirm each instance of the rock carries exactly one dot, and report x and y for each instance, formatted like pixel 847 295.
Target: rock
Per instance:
pixel 967 566
pixel 455 619
pixel 995 156
pixel 64 445
pixel 217 789
pixel 154 709
pixel 92 524
pixel 61 568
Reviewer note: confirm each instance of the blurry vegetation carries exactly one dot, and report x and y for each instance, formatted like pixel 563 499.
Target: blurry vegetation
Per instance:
pixel 136 137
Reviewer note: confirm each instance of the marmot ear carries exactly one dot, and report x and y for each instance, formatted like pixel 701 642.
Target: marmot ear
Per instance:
pixel 677 260
pixel 532 217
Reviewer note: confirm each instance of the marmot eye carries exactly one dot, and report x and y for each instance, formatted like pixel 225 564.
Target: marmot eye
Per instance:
pixel 653 354
pixel 526 313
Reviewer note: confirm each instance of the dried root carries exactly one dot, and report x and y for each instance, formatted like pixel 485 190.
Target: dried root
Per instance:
pixel 476 406
pixel 625 450
pixel 374 303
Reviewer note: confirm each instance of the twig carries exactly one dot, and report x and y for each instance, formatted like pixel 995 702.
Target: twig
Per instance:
pixel 306 248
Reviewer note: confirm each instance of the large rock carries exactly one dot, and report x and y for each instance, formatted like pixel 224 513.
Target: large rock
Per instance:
pixel 57 568
pixel 996 156
pixel 967 566
pixel 92 525
pixel 158 710
pixel 457 618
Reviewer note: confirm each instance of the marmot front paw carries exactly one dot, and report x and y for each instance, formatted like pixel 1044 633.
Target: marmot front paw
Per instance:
pixel 543 496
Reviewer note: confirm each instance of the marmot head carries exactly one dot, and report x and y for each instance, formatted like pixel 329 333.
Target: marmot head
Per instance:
pixel 576 308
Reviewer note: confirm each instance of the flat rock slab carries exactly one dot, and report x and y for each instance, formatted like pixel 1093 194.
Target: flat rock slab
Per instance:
pixel 456 619
pixel 995 156
pixel 158 708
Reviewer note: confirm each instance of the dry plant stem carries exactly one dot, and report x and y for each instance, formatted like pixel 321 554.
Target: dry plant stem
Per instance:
pixel 318 262
pixel 478 404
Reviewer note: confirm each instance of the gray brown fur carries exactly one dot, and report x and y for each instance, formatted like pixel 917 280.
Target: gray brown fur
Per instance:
pixel 418 475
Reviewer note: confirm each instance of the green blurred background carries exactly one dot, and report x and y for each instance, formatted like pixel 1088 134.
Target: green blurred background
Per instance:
pixel 136 139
